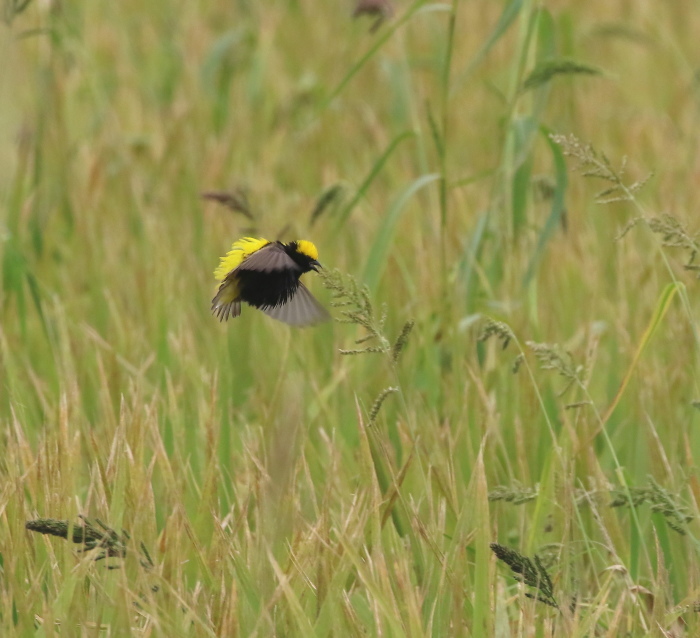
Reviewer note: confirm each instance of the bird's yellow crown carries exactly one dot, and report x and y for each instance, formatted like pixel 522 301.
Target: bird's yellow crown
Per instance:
pixel 307 248
pixel 241 249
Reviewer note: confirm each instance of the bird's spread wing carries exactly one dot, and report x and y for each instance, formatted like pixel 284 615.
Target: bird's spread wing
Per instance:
pixel 301 310
pixel 270 258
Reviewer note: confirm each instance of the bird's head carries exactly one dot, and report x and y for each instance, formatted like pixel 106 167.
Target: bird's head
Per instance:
pixel 306 254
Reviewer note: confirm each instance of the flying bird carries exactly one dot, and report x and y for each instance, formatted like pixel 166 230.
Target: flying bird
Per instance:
pixel 265 274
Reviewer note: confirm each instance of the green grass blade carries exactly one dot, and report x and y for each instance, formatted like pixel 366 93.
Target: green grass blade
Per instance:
pixel 382 243
pixel 416 7
pixel 506 19
pixel 660 311
pixel 557 210
pixel 376 168
pixel 483 618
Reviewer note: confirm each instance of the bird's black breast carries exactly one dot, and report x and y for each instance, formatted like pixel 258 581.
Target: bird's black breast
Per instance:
pixel 272 289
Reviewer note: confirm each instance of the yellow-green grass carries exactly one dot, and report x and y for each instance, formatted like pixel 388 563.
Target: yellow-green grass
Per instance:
pixel 274 491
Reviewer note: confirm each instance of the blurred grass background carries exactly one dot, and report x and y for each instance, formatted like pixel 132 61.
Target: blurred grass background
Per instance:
pixel 243 455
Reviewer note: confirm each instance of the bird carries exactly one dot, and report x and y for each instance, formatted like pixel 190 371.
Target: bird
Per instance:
pixel 265 274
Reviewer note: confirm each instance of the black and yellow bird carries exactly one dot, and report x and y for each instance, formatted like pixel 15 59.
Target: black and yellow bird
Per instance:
pixel 265 274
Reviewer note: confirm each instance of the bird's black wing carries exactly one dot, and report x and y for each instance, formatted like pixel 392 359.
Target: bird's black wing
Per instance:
pixel 301 310
pixel 270 258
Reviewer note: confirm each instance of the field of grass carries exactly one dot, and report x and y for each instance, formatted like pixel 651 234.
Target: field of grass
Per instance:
pixel 503 196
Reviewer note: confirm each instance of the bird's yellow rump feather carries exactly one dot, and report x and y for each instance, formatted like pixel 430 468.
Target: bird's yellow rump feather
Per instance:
pixel 239 251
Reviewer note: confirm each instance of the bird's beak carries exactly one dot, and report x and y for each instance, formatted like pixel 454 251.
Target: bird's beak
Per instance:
pixel 315 265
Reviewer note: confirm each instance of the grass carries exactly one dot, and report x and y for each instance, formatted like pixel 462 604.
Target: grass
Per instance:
pixel 497 436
